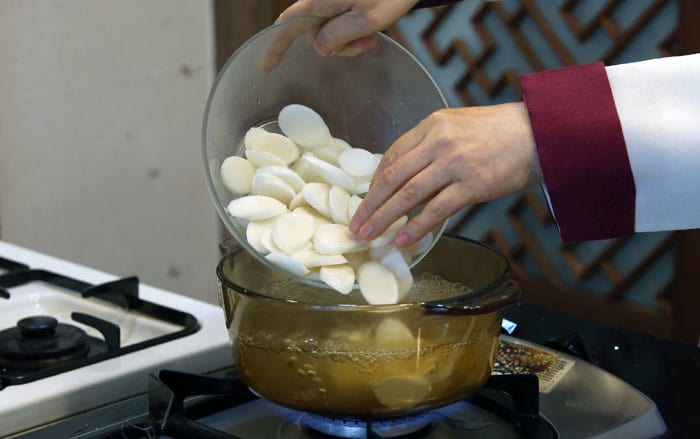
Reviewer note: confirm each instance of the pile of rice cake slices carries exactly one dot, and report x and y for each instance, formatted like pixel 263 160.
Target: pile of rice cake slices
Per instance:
pixel 298 190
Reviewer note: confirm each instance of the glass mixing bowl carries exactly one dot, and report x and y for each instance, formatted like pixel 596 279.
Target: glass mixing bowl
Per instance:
pixel 368 100
pixel 312 350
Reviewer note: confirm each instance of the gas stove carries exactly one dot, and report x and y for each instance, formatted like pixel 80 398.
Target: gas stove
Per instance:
pixel 73 338
pixel 166 372
pixel 535 392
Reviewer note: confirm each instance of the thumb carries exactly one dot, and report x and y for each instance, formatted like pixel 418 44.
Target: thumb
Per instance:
pixel 340 31
pixel 358 46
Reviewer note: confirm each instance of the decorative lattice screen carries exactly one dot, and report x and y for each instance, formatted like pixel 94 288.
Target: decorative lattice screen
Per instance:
pixel 476 51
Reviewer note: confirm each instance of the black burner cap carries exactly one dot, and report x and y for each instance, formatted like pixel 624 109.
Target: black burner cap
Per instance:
pixel 40 339
pixel 37 326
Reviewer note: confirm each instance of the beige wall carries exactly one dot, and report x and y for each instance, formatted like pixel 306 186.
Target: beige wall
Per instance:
pixel 101 104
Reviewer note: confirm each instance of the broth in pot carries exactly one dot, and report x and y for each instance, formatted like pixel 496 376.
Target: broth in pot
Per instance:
pixel 311 349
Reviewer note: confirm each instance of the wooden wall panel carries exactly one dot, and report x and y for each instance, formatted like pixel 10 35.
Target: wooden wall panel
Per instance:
pixel 236 21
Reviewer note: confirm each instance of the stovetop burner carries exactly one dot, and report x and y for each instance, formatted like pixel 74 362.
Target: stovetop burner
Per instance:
pixel 74 339
pixel 506 406
pixel 353 428
pixel 568 398
pixel 40 346
pixel 40 341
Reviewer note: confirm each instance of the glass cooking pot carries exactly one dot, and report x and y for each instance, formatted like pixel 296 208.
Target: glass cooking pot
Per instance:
pixel 314 350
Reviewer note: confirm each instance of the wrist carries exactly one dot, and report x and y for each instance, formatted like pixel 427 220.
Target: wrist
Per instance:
pixel 525 140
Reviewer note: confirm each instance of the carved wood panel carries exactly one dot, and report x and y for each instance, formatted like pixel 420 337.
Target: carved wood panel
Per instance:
pixel 477 51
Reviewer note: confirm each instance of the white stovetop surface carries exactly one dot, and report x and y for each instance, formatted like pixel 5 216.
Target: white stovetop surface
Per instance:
pixel 29 405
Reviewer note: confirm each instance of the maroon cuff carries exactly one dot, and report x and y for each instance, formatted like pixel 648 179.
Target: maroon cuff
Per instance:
pixel 582 151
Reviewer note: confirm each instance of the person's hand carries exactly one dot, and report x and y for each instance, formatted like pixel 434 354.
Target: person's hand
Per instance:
pixel 352 24
pixel 453 158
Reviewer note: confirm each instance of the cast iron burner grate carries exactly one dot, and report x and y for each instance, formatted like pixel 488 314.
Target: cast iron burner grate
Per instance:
pixel 123 293
pixel 515 398
pixel 8 266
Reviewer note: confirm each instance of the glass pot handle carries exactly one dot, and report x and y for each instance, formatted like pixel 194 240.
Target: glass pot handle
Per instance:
pixel 496 299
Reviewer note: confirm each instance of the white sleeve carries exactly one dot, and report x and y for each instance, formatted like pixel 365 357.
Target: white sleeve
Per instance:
pixel 658 103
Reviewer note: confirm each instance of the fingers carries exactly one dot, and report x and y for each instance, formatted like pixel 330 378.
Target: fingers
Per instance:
pixel 352 24
pixel 343 27
pixel 340 31
pixel 380 191
pixel 442 206
pixel 281 41
pixel 408 141
pixel 315 8
pixel 358 46
pixel 388 202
